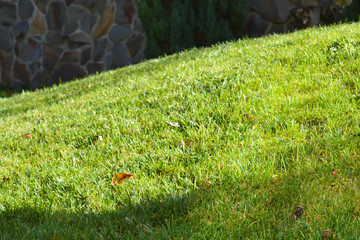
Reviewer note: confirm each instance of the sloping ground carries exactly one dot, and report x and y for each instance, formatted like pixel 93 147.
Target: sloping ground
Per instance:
pixel 255 128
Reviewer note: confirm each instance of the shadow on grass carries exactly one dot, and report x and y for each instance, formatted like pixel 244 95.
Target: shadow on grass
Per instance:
pixel 154 217
pixel 247 208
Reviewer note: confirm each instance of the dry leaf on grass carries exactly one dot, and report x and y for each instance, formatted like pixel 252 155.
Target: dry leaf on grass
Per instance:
pixel 299 212
pixel 120 177
pixel 247 117
pixel 327 234
pixel 26 135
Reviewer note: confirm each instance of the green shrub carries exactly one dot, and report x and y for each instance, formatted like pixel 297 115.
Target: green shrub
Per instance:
pixel 352 12
pixel 179 24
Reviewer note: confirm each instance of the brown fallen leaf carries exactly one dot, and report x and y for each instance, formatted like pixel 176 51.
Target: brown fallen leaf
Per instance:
pixel 299 212
pixel 247 117
pixel 26 135
pixel 327 234
pixel 120 177
pixel 173 124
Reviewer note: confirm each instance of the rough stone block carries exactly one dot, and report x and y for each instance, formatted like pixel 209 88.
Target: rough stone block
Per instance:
pixel 119 32
pixel 20 30
pixel 25 9
pixel 98 49
pixel 67 72
pixel 7 13
pixel 37 25
pixel 45 42
pixel 121 56
pixel 6 39
pixel 134 43
pixel 93 68
pixel 56 16
pixel 103 25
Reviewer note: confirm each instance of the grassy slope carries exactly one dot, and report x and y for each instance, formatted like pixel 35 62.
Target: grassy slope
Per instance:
pixel 263 123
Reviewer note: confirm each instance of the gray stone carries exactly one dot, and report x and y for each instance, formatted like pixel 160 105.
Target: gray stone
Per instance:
pixel 72 45
pixel 255 26
pixel 272 11
pixel 139 57
pixel 137 25
pixel 20 30
pixel 53 38
pixel 109 62
pixel 51 56
pixel 314 3
pixel 25 9
pixel 93 68
pixel 41 4
pixel 30 51
pixel 295 2
pixel 120 17
pixel 76 12
pixel 100 6
pixel 6 40
pixel 69 28
pixel 56 16
pixel 134 43
pixel 121 56
pixel 84 3
pixel 118 33
pixel 80 37
pixel 85 55
pixel 67 72
pixel 99 48
pixel 326 3
pixel 41 79
pixel 88 22
pixel 20 72
pixel 124 14
pixel 69 2
pixel 7 13
pixel 70 57
pixel 33 68
pixel 6 60
pixel 17 48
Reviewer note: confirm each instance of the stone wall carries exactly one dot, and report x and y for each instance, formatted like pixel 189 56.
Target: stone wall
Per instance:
pixel 43 42
pixel 281 16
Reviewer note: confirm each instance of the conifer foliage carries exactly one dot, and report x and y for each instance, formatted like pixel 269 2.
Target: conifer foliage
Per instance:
pixel 173 25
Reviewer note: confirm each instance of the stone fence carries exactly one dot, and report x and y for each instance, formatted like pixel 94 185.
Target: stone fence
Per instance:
pixel 44 42
pixel 281 16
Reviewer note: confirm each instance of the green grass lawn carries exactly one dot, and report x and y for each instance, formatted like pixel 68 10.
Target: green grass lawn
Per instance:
pixel 263 123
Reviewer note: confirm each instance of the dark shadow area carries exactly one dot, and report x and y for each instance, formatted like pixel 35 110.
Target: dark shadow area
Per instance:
pixel 244 208
pixel 6 92
pixel 135 220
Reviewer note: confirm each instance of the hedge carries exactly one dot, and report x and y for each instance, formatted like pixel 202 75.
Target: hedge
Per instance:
pixel 174 25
